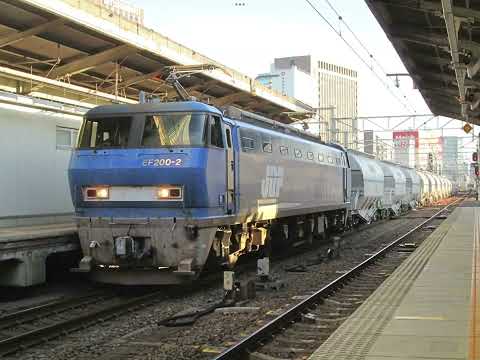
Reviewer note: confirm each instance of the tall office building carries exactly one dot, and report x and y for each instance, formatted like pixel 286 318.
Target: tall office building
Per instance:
pixel 338 103
pixel 330 88
pixel 405 147
pixel 291 80
pixel 450 157
pixel 430 156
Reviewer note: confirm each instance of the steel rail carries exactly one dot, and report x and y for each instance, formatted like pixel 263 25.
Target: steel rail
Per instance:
pixel 242 349
pixel 56 306
pixel 36 336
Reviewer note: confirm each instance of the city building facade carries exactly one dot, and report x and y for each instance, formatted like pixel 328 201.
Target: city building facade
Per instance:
pixel 338 103
pixel 291 81
pixel 405 145
pixel 450 162
pixel 330 88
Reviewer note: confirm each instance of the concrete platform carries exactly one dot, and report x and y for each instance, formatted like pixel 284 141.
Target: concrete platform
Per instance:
pixel 429 308
pixel 24 250
pixel 16 233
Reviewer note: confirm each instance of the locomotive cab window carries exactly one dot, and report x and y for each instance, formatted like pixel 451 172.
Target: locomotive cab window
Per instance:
pixel 112 132
pixel 229 138
pixel 215 131
pixel 174 129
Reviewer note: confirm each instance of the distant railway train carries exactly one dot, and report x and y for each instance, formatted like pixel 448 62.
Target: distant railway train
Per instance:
pixel 159 188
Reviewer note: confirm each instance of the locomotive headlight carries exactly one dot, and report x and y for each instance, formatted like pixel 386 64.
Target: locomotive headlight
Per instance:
pixel 97 193
pixel 102 193
pixel 163 193
pixel 167 192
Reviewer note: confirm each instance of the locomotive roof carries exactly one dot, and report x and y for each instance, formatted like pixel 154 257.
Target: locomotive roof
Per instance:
pixel 195 106
pixel 180 106
pixel 235 113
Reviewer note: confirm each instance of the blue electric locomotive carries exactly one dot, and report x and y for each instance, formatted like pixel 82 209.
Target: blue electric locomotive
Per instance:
pixel 159 188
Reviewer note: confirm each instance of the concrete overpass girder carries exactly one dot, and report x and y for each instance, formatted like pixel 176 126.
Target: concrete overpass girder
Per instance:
pixel 23 263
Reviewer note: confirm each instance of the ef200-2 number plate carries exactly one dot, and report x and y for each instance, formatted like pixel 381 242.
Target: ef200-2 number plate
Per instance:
pixel 163 162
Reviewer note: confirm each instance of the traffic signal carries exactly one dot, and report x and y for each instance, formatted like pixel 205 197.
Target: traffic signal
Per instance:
pixel 475 156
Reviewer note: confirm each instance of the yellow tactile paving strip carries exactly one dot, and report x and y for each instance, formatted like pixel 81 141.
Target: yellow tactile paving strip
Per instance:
pixel 474 346
pixel 427 309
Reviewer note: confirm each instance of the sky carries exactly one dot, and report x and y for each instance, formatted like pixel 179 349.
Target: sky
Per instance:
pixel 248 38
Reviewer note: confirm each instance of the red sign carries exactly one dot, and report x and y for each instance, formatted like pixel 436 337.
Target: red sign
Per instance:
pixel 400 135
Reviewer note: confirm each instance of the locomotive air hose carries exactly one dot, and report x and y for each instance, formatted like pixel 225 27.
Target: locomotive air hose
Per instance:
pixel 191 318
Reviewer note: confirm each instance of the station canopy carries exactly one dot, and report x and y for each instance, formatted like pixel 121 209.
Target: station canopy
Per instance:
pixel 84 52
pixel 439 43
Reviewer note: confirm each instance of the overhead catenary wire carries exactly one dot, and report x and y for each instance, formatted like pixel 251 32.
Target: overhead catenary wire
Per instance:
pixel 384 83
pixel 342 19
pixel 380 66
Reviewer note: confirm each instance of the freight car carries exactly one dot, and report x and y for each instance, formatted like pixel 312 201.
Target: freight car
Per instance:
pixel 368 183
pixel 381 189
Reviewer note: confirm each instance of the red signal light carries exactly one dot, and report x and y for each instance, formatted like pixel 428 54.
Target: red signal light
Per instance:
pixel 475 156
pixel 477 171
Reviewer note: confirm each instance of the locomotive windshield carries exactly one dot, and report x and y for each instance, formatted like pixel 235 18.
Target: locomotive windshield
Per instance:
pixel 174 129
pixel 159 130
pixel 105 132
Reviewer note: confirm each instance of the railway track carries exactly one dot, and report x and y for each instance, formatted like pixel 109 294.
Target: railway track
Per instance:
pixel 23 329
pixel 28 328
pixel 297 332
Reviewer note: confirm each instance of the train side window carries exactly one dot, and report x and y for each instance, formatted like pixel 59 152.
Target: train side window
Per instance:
pixel 298 153
pixel 267 147
pixel 267 143
pixel 216 132
pixel 321 157
pixel 248 143
pixel 284 150
pixel 330 159
pixel 229 138
pixel 310 155
pixel 66 137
